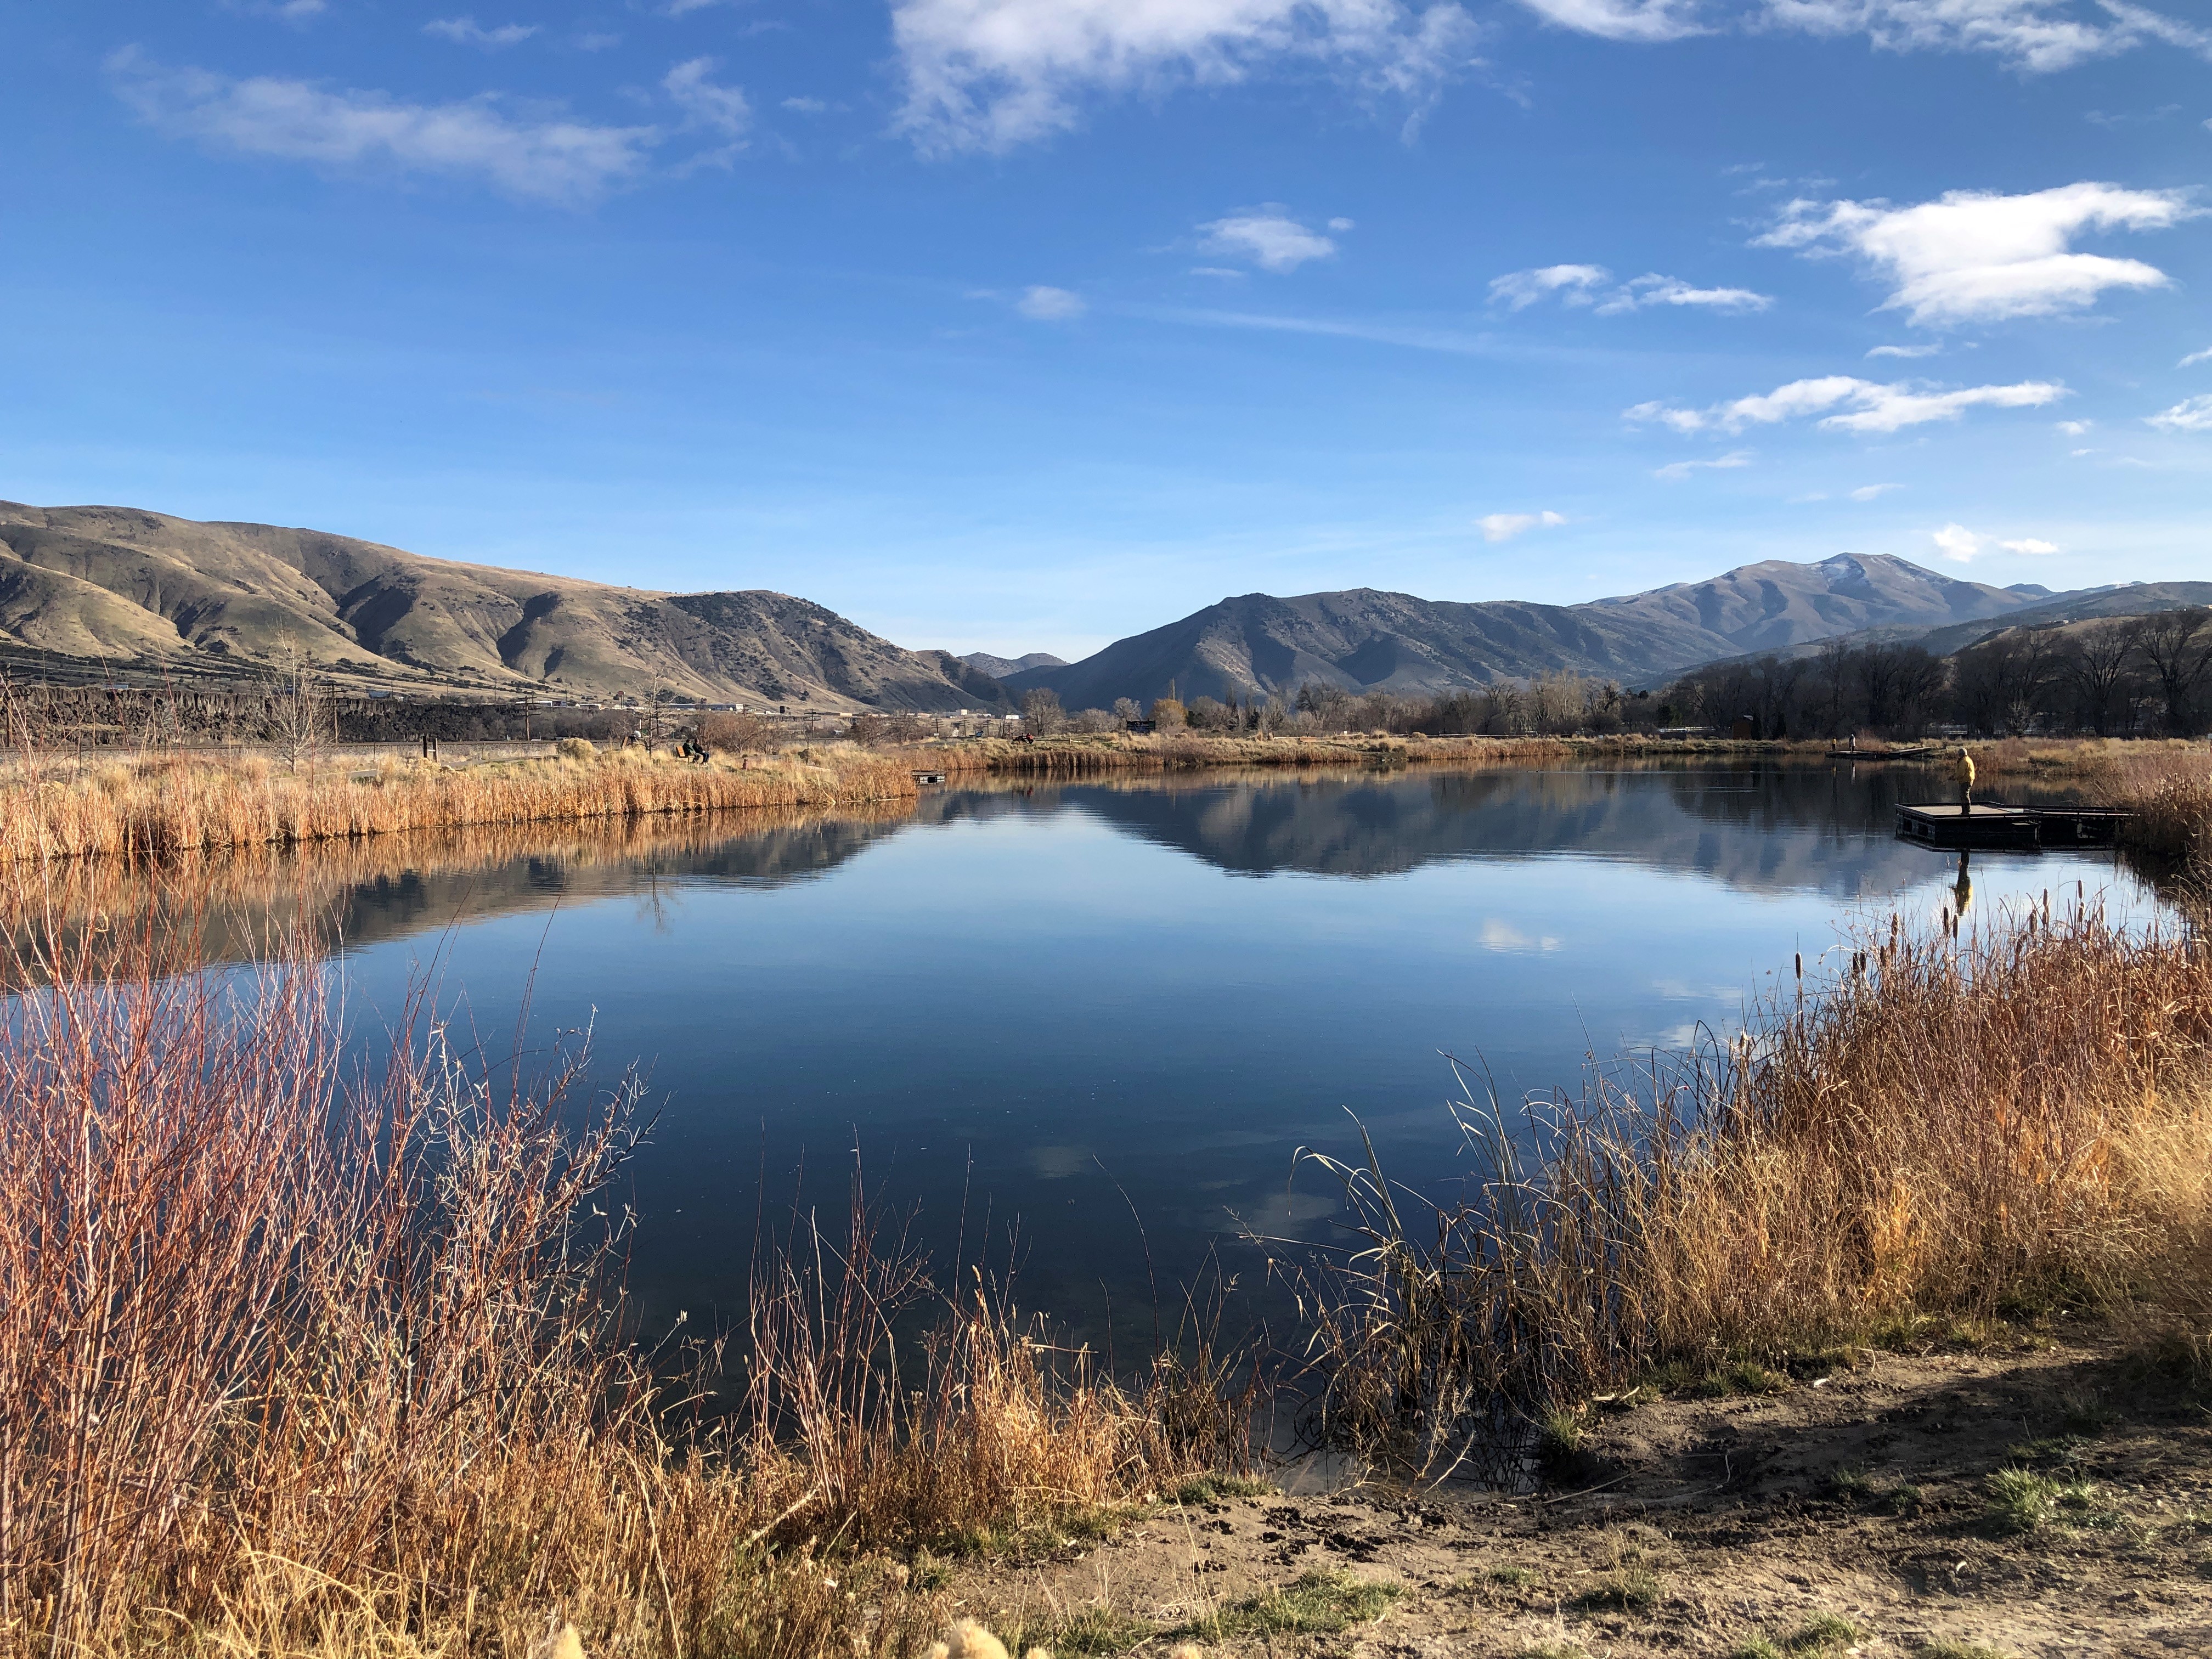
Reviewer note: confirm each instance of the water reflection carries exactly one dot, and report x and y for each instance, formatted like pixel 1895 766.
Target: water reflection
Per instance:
pixel 1042 1006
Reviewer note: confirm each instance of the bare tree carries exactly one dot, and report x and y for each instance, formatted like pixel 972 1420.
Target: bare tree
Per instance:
pixel 2177 646
pixel 2096 661
pixel 301 721
pixel 1041 711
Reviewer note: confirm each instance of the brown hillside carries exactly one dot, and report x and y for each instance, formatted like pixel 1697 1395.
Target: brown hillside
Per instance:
pixel 144 588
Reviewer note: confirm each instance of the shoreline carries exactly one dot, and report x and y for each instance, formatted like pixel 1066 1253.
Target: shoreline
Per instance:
pixel 157 804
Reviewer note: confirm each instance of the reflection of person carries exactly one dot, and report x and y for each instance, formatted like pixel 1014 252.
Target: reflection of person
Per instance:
pixel 1962 892
pixel 1965 782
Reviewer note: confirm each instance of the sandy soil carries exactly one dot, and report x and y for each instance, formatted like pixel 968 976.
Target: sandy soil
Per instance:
pixel 1695 1525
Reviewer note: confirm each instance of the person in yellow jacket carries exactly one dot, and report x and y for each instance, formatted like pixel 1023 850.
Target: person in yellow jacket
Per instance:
pixel 1965 782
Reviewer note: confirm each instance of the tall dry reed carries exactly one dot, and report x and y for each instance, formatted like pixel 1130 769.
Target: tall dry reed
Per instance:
pixel 295 1360
pixel 1960 1121
pixel 163 805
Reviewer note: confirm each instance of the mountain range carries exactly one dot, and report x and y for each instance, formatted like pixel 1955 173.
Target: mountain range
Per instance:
pixel 122 588
pixel 1365 639
pixel 144 590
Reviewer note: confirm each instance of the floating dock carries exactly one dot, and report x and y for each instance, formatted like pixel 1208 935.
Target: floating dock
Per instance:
pixel 1995 825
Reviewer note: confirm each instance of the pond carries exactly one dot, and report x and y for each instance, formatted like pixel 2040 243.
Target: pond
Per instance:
pixel 1102 1017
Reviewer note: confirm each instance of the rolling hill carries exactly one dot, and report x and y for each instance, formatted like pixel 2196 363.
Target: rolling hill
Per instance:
pixel 141 589
pixel 1367 640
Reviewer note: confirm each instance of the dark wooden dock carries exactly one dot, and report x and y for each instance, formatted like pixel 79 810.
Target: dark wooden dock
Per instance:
pixel 1996 826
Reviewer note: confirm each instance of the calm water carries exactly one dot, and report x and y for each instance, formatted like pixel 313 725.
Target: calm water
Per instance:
pixel 1075 1003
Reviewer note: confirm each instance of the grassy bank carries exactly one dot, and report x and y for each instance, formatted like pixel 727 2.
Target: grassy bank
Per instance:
pixel 292 1364
pixel 158 807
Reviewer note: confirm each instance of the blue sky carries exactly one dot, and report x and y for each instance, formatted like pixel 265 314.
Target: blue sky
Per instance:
pixel 1024 324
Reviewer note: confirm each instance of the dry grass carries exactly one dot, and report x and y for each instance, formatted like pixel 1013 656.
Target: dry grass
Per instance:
pixel 296 1364
pixel 162 807
pixel 1954 1125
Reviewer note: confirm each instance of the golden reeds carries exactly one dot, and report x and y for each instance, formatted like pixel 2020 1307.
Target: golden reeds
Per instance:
pixel 289 1362
pixel 160 806
pixel 1957 1122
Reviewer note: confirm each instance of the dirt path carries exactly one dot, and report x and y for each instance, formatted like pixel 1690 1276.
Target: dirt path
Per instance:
pixel 1871 1499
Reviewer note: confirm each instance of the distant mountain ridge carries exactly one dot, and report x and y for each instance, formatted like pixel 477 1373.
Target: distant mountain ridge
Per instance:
pixel 1363 639
pixel 998 667
pixel 137 588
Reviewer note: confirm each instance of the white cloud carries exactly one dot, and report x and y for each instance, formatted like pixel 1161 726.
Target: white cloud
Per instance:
pixel 2074 428
pixel 1578 285
pixel 1678 470
pixel 1341 225
pixel 993 74
pixel 1268 236
pixel 2190 415
pixel 805 106
pixel 1972 257
pixel 1622 19
pixel 1861 406
pixel 2032 545
pixel 1955 541
pixel 2034 35
pixel 1653 289
pixel 1905 351
pixel 1873 492
pixel 2196 357
pixel 285 11
pixel 722 108
pixel 1050 305
pixel 1522 288
pixel 538 158
pixel 1504 526
pixel 1222 271
pixel 467 31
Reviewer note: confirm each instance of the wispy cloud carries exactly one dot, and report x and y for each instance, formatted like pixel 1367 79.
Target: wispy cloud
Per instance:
pixel 718 108
pixel 1522 288
pixel 531 156
pixel 1050 305
pixel 1859 405
pixel 1504 526
pixel 1678 470
pixel 993 74
pixel 1974 257
pixel 1873 492
pixel 2194 358
pixel 467 31
pixel 1584 285
pixel 1905 351
pixel 1268 237
pixel 2190 415
pixel 1956 542
pixel 1624 20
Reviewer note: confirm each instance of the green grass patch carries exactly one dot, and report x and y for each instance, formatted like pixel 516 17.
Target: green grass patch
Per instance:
pixel 1093 1630
pixel 2019 1500
pixel 2057 1449
pixel 1957 1651
pixel 1634 1590
pixel 1315 1604
pixel 1212 1488
pixel 1512 1578
pixel 1740 1377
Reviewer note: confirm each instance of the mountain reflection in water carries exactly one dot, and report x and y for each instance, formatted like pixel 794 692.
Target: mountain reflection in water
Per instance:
pixel 1037 1007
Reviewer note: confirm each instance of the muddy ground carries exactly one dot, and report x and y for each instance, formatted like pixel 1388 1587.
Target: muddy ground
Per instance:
pixel 1865 1512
